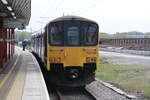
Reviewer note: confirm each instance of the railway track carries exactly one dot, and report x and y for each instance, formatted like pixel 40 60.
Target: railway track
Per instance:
pixel 67 93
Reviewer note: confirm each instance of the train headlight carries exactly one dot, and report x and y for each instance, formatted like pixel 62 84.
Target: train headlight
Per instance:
pixel 58 60
pixel 55 59
pixel 90 59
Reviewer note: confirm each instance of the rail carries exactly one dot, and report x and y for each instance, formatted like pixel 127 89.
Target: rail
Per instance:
pixel 70 93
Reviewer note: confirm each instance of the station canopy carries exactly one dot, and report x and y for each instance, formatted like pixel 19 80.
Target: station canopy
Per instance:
pixel 15 13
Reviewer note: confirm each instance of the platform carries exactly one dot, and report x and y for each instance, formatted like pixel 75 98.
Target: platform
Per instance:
pixel 22 78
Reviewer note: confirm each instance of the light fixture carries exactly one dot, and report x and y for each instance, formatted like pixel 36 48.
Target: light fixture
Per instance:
pixel 12 13
pixel 4 2
pixel 9 8
pixel 14 17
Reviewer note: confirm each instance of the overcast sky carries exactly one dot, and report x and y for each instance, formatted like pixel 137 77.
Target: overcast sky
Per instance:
pixel 112 15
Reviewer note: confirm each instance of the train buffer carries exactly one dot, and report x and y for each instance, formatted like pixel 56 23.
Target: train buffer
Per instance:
pixel 22 78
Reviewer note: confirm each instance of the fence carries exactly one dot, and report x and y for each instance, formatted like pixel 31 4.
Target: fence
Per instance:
pixel 136 52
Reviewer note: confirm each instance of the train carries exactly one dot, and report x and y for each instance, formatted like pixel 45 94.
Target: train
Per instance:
pixel 69 48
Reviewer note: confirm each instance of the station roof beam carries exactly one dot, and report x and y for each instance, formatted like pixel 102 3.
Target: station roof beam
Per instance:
pixel 15 13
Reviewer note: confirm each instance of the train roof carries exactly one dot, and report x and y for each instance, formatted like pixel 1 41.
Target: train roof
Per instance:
pixel 64 18
pixel 67 18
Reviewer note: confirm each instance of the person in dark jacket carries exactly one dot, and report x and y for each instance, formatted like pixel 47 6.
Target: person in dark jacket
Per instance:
pixel 24 44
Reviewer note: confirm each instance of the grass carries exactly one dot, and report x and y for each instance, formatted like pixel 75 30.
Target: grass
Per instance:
pixel 132 79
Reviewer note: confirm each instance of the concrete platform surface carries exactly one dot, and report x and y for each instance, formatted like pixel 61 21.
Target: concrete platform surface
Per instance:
pixel 24 80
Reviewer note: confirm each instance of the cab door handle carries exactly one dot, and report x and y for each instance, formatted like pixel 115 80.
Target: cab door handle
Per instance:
pixel 65 54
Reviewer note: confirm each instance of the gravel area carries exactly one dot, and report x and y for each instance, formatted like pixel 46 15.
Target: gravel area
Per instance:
pixel 128 59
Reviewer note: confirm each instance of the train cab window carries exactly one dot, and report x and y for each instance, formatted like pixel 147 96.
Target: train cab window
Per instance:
pixel 90 34
pixel 73 35
pixel 55 34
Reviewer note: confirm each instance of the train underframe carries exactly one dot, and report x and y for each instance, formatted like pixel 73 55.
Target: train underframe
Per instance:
pixel 73 76
pixel 70 76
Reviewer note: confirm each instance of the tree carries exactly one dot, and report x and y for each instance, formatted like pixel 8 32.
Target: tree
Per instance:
pixel 22 35
pixel 104 35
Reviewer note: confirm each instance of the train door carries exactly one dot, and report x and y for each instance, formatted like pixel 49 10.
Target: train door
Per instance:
pixel 42 47
pixel 45 46
pixel 73 44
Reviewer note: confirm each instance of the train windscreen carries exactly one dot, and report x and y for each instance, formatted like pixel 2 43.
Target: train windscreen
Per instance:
pixel 56 34
pixel 90 33
pixel 73 33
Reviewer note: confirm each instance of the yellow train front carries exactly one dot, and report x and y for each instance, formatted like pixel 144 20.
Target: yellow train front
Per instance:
pixel 70 50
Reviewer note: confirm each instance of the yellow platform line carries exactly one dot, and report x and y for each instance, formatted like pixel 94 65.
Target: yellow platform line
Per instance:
pixel 9 73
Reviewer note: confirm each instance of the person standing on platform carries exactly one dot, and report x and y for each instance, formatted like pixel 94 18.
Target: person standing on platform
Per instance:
pixel 24 44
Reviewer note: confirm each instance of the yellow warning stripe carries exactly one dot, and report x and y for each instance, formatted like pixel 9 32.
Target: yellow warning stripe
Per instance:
pixel 7 76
